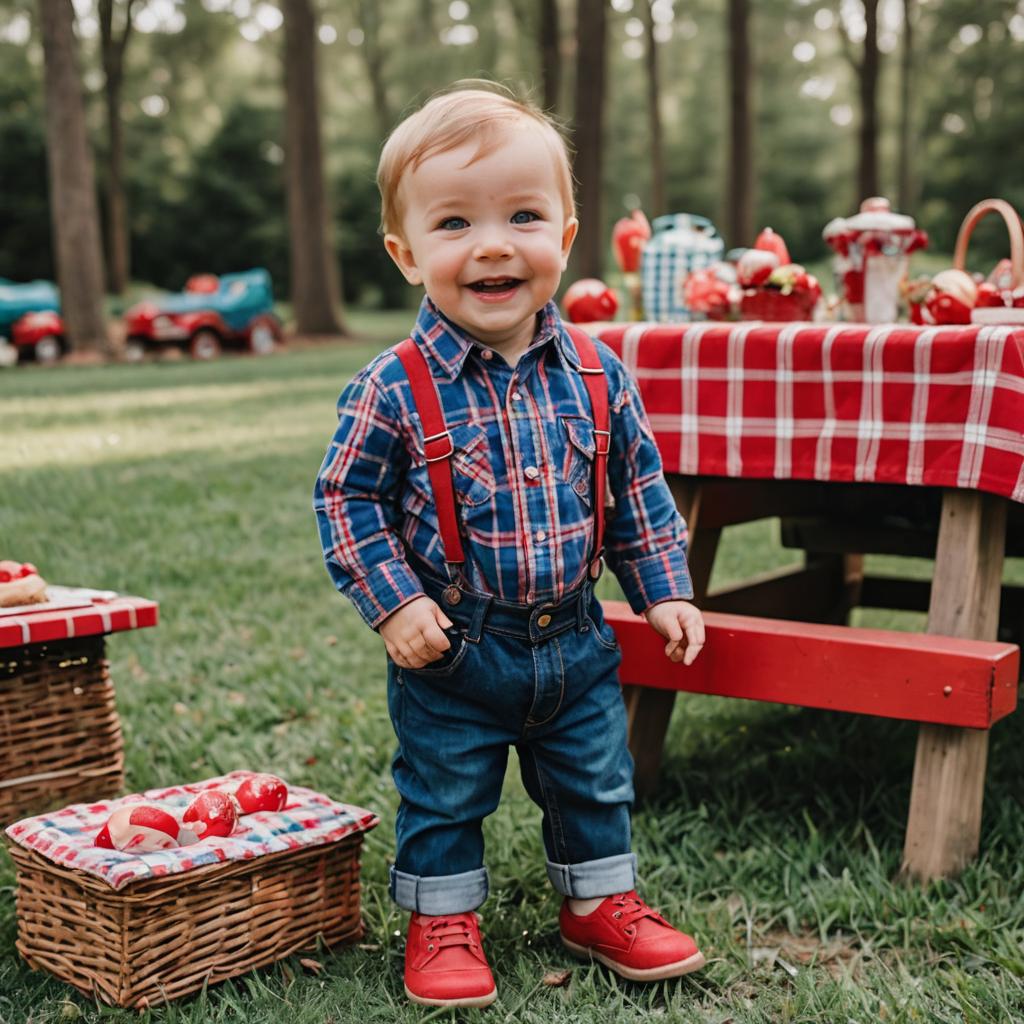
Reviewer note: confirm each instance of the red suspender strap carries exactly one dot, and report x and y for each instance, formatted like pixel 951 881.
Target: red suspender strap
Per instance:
pixel 597 389
pixel 437 446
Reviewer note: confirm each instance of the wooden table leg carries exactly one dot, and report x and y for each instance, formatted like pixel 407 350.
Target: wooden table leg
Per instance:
pixel 648 710
pixel 949 771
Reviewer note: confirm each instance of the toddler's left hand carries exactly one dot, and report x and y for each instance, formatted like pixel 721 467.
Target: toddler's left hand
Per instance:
pixel 682 625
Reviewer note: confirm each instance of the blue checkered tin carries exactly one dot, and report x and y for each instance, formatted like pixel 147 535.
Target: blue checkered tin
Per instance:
pixel 679 244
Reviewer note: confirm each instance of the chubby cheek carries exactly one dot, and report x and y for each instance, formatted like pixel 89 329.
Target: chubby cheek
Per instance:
pixel 443 271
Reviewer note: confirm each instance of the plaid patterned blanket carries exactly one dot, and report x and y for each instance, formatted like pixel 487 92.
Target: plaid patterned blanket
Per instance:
pixel 66 837
pixel 924 406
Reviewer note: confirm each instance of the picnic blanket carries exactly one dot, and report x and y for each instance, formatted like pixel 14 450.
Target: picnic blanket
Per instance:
pixel 308 819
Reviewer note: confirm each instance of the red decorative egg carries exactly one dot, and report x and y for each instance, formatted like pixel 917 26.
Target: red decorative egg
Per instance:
pixel 769 241
pixel 589 299
pixel 140 828
pixel 755 267
pixel 212 813
pixel 629 236
pixel 261 793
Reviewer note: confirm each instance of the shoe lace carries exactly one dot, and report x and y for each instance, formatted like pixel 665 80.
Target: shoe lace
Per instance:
pixel 457 930
pixel 631 909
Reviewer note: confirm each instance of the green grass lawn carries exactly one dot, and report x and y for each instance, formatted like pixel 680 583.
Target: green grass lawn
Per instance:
pixel 775 837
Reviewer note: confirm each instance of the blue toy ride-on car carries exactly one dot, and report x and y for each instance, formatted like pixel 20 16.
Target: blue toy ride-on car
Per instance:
pixel 212 313
pixel 30 322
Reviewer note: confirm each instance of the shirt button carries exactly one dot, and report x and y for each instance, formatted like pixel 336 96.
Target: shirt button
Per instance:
pixel 531 472
pixel 487 354
pixel 516 396
pixel 580 487
pixel 541 535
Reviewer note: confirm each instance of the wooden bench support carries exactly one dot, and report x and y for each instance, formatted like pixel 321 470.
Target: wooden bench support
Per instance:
pixel 967 683
pixel 944 823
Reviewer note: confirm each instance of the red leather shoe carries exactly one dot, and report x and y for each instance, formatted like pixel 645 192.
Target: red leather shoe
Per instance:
pixel 635 941
pixel 445 963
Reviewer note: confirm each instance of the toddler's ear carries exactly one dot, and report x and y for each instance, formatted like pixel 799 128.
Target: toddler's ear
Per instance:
pixel 572 225
pixel 403 257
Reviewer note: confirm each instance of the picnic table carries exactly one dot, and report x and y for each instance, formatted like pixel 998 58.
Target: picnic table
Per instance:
pixel 862 439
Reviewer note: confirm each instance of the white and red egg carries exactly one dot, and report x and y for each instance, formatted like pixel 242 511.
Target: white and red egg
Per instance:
pixel 142 828
pixel 261 793
pixel 212 813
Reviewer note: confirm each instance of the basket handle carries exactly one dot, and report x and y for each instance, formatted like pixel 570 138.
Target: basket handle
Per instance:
pixel 1013 226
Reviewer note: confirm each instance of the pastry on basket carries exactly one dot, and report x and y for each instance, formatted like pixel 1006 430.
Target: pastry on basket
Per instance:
pixel 20 583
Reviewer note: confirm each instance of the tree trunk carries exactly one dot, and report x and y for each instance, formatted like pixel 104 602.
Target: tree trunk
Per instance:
pixel 590 72
pixel 113 47
pixel 740 218
pixel 74 211
pixel 654 116
pixel 548 36
pixel 905 186
pixel 867 172
pixel 373 57
pixel 314 271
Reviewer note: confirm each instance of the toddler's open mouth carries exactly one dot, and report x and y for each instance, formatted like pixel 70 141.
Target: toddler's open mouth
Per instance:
pixel 492 285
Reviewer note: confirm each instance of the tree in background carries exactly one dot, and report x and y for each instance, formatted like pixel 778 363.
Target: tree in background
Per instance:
pixel 369 13
pixel 588 123
pixel 867 69
pixel 740 202
pixel 657 207
pixel 314 273
pixel 113 43
pixel 549 34
pixel 73 209
pixel 904 175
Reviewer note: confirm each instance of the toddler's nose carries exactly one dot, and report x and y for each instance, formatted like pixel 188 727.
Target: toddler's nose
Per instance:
pixel 495 245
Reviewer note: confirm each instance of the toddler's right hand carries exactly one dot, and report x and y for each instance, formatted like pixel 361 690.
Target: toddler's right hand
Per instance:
pixel 414 635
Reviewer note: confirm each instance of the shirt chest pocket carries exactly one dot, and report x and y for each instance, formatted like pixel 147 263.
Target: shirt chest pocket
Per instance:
pixel 578 465
pixel 472 472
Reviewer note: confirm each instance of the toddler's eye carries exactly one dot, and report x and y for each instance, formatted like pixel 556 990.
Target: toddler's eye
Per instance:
pixel 453 224
pixel 524 217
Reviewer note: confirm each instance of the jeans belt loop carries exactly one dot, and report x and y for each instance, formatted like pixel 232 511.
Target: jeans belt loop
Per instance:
pixel 476 624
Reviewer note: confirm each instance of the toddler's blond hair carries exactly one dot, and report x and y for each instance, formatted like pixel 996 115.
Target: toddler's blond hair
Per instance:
pixel 469 111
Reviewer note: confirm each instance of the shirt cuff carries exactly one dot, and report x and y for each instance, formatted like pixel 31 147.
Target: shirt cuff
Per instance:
pixel 384 590
pixel 655 578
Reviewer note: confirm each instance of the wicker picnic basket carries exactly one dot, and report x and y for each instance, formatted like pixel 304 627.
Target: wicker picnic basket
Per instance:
pixel 60 735
pixel 1014 272
pixel 161 938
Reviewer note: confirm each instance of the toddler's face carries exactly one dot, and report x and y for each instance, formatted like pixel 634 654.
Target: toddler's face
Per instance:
pixel 489 239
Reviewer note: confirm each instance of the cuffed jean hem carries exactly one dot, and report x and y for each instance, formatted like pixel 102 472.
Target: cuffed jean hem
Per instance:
pixel 592 878
pixel 439 894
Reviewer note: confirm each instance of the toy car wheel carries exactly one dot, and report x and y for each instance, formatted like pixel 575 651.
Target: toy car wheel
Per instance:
pixel 205 344
pixel 48 349
pixel 261 339
pixel 134 352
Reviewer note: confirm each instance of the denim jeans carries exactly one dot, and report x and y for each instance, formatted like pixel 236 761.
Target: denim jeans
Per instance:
pixel 550 689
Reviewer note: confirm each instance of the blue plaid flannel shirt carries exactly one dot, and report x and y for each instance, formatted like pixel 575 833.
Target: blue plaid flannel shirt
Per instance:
pixel 522 470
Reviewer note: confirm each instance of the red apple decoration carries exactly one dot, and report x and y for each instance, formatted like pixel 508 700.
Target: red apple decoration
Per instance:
pixel 590 299
pixel 141 828
pixel 261 793
pixel 212 813
pixel 952 297
pixel 629 236
pixel 755 267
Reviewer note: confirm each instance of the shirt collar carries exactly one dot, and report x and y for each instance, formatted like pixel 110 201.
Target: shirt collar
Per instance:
pixel 447 345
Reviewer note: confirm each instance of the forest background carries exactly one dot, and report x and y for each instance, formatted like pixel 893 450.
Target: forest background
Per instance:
pixel 203 127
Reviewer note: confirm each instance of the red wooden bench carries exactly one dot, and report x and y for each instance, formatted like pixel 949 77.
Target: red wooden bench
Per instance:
pixel 912 676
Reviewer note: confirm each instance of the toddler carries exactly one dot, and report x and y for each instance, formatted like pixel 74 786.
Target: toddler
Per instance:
pixel 480 473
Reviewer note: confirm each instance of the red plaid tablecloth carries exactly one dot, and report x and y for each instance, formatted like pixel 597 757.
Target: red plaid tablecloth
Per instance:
pixel 103 614
pixel 934 406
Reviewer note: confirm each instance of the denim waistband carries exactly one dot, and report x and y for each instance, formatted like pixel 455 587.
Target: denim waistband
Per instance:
pixel 478 613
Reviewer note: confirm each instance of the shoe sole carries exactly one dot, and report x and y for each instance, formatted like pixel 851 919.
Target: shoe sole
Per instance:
pixel 484 1000
pixel 676 970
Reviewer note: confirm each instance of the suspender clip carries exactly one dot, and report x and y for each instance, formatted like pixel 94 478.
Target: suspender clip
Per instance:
pixel 437 437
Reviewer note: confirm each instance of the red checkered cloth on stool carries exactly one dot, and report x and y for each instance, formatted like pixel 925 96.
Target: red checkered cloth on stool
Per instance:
pixel 933 406
pixel 308 819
